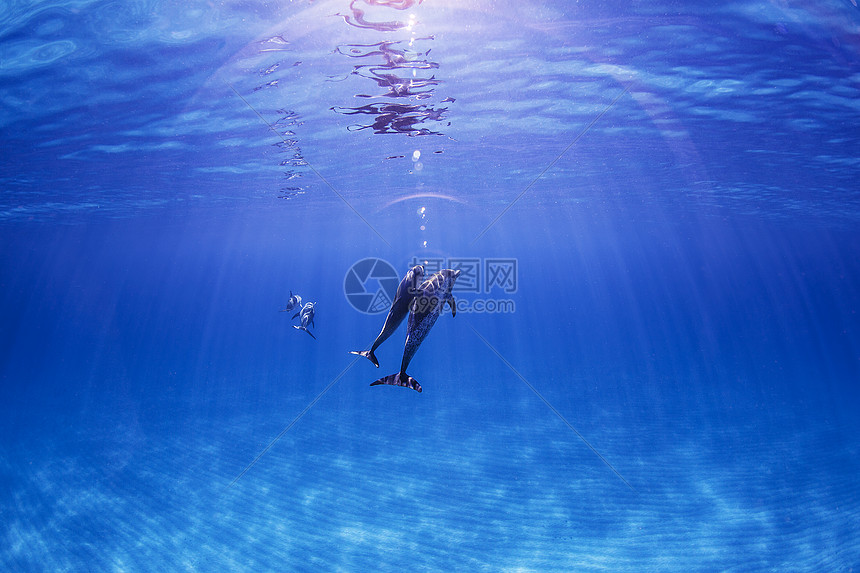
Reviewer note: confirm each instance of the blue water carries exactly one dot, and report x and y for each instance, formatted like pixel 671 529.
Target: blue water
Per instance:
pixel 669 379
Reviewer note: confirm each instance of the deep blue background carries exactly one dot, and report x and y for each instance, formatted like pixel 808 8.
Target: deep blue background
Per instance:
pixel 712 365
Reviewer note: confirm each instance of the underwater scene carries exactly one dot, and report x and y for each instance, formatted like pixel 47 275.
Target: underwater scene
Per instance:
pixel 429 285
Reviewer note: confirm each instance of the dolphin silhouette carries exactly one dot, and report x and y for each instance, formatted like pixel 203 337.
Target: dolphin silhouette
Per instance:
pixel 406 291
pixel 307 318
pixel 295 300
pixel 424 310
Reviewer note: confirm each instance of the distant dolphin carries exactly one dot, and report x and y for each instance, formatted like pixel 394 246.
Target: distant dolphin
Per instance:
pixel 295 300
pixel 307 314
pixel 406 291
pixel 424 310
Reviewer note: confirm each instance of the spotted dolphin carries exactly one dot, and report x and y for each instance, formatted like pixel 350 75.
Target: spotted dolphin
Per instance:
pixel 307 318
pixel 295 301
pixel 406 291
pixel 425 309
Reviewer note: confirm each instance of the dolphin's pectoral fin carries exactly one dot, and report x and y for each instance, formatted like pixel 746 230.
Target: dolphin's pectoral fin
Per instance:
pixel 404 380
pixel 453 305
pixel 297 314
pixel 367 354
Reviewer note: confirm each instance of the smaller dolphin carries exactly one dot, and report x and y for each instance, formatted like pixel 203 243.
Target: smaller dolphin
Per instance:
pixel 406 291
pixel 425 309
pixel 307 318
pixel 295 301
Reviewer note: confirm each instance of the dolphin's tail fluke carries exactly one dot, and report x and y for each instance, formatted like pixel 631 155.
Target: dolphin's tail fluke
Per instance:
pixel 306 330
pixel 367 354
pixel 399 379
